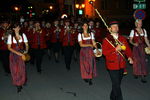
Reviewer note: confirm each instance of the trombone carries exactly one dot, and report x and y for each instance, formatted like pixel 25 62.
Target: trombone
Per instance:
pixel 123 47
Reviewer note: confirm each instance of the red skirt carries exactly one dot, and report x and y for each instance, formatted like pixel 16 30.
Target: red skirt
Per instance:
pixel 17 68
pixel 87 63
pixel 139 57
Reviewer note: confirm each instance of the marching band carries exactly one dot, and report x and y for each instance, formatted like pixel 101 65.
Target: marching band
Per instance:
pixel 73 39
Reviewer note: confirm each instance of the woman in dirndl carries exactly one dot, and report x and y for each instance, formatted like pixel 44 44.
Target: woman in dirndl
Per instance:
pixel 87 59
pixel 139 40
pixel 18 46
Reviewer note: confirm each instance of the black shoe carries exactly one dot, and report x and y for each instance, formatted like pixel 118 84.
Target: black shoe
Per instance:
pixel 57 61
pixel 19 88
pixel 68 68
pixel 90 82
pixel 39 71
pixel 32 63
pixel 86 80
pixel 49 57
pixel 135 76
pixel 143 80
pixel 7 74
pixel 75 59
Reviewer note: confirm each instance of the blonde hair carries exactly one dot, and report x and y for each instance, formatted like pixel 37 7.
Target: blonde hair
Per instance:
pixel 137 21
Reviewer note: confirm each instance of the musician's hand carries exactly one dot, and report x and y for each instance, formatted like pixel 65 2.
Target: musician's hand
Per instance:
pixel 130 60
pixel 136 44
pixel 25 52
pixel 5 37
pixel 98 52
pixel 90 45
pixel 65 32
pixel 118 48
pixel 23 57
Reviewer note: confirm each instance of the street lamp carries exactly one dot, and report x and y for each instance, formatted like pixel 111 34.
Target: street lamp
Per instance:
pixel 50 7
pixel 16 8
pixel 91 1
pixel 80 8
pixel 77 6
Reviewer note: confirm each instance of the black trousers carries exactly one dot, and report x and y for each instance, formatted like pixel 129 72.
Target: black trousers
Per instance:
pixel 116 77
pixel 68 52
pixel 4 57
pixel 38 57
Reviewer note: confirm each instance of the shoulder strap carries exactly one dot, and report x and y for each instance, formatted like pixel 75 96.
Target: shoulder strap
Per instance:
pixel 114 47
pixel 11 39
pixel 134 31
pixel 143 31
pixel 81 36
pixel 22 38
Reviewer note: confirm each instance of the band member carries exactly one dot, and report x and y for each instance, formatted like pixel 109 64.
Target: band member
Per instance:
pixel 55 39
pixel 98 32
pixel 38 45
pixel 18 46
pixel 27 30
pixel 87 59
pixel 91 26
pixel 76 46
pixel 25 27
pixel 139 40
pixel 67 40
pixel 115 47
pixel 48 35
pixel 4 52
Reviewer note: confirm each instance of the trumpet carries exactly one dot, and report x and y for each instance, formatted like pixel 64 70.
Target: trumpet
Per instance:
pixel 57 29
pixel 68 29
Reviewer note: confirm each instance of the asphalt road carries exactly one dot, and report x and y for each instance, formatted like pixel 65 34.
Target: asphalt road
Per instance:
pixel 56 83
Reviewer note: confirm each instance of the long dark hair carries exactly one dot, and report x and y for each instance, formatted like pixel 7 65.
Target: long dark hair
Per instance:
pixel 14 26
pixel 88 30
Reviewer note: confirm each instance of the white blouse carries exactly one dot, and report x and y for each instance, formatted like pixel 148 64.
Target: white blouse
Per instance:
pixel 9 41
pixel 81 36
pixel 136 34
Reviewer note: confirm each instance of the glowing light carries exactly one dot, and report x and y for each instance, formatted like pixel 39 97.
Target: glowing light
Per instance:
pixel 64 16
pixel 91 1
pixel 16 8
pixel 77 5
pixel 83 5
pixel 50 7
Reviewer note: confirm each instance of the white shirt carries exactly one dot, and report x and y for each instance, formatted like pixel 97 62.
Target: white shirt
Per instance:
pixel 136 34
pixel 81 37
pixel 9 41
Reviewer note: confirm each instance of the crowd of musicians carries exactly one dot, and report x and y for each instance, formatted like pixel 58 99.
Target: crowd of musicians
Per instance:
pixel 74 39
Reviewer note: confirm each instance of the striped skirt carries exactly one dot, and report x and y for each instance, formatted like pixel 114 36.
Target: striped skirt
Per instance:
pixel 87 63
